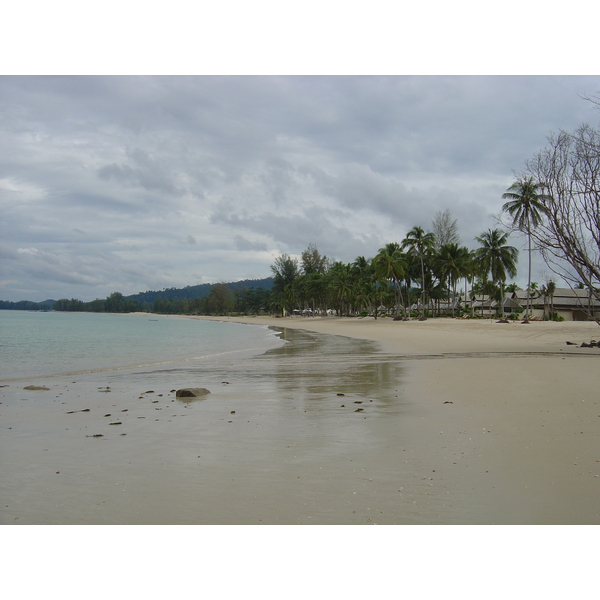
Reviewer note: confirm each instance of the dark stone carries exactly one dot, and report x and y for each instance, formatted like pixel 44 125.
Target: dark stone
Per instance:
pixel 191 393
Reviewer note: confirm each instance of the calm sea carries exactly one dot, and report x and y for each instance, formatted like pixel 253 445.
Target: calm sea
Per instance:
pixel 35 344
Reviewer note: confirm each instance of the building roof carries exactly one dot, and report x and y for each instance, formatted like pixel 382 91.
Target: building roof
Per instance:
pixel 568 298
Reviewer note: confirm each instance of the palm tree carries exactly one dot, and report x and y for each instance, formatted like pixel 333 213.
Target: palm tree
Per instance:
pixel 362 275
pixel 452 263
pixel 390 265
pixel 497 258
pixel 411 272
pixel 550 289
pixel 471 270
pixel 341 284
pixel 420 244
pixel 526 205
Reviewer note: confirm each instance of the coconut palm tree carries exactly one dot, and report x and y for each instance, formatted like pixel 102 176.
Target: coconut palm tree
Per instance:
pixel 497 258
pixel 526 205
pixel 411 272
pixel 342 285
pixel 361 271
pixel 550 290
pixel 420 244
pixel 471 270
pixel 390 265
pixel 452 262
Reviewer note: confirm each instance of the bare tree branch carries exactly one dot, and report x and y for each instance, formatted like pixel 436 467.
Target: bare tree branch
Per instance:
pixel 569 235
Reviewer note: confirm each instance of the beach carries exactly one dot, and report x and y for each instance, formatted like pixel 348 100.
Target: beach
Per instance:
pixel 354 421
pixel 504 419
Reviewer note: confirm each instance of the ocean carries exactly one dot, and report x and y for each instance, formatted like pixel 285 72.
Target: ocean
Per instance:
pixel 45 344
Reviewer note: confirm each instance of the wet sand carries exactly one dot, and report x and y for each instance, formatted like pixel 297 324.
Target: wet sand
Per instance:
pixel 500 422
pixel 352 422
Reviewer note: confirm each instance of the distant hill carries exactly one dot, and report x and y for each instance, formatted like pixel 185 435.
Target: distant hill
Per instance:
pixel 198 291
pixel 26 305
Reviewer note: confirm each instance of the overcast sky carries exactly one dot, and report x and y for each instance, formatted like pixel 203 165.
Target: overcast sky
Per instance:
pixel 133 183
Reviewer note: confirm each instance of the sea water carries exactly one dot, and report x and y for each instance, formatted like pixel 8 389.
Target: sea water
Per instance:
pixel 42 344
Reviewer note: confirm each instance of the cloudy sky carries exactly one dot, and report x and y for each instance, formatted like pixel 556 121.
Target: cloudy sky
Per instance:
pixel 133 183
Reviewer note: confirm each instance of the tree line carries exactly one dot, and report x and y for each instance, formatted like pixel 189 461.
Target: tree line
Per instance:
pixel 418 275
pixel 221 300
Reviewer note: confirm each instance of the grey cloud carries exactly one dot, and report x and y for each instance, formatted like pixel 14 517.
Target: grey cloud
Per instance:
pixel 133 169
pixel 148 172
pixel 243 244
pixel 63 268
pixel 293 233
pixel 278 179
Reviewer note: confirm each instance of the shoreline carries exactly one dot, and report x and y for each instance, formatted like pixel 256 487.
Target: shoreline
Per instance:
pixel 439 335
pixel 457 423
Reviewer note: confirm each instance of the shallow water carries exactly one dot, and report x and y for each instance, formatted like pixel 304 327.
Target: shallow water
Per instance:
pixel 304 433
pixel 34 344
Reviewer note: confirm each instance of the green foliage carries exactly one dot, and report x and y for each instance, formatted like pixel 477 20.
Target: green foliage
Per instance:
pixel 26 305
pixel 285 270
pixel 192 292
pixel 422 245
pixel 496 258
pixel 220 300
pixel 313 262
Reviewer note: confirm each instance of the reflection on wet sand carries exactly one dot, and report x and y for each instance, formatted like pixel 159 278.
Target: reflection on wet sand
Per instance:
pixel 291 436
pixel 316 368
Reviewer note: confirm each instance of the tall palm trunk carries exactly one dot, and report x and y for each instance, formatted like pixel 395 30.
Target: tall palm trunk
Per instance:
pixel 423 284
pixel 528 310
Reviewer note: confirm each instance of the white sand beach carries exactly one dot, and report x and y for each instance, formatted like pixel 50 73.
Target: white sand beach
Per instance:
pixel 442 421
pixel 504 420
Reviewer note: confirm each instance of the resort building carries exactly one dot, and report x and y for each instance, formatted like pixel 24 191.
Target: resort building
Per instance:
pixel 570 304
